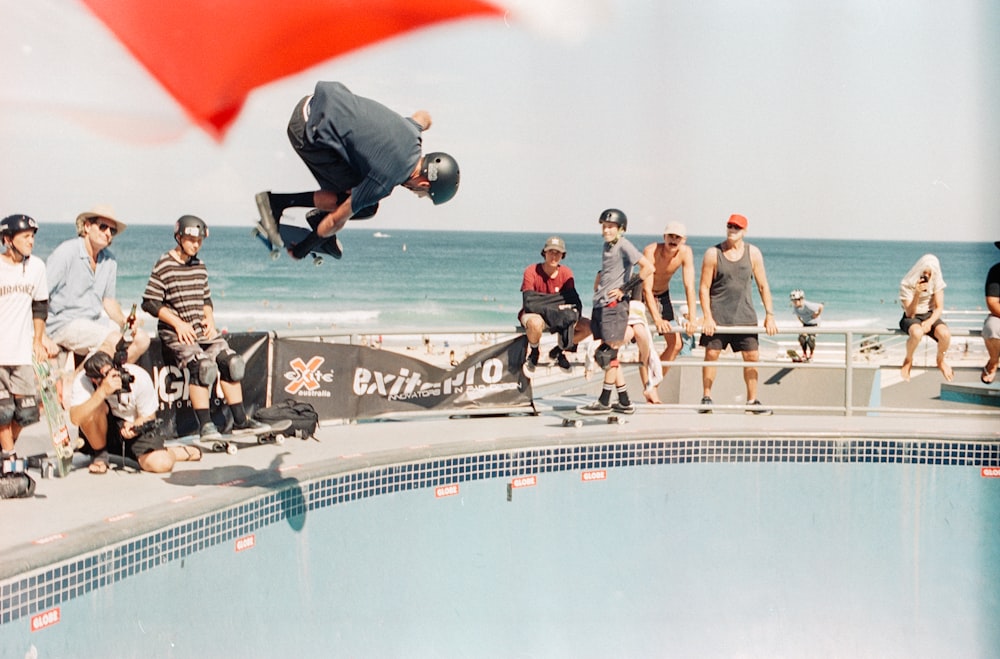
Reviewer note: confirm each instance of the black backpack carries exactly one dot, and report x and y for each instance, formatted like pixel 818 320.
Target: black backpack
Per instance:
pixel 302 415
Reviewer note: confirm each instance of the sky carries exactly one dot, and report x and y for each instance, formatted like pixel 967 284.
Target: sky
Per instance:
pixel 860 119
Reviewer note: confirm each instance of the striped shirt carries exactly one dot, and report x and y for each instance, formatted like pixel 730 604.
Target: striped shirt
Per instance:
pixel 181 287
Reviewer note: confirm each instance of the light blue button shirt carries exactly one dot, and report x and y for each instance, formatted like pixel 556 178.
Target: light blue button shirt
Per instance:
pixel 76 291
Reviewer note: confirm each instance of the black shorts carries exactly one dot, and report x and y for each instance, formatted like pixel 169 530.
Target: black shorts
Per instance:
pixel 666 308
pixel 738 342
pixel 906 323
pixel 331 171
pixel 141 445
pixel 609 323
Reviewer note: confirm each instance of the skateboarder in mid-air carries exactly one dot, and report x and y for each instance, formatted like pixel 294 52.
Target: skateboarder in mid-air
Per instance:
pixel 358 150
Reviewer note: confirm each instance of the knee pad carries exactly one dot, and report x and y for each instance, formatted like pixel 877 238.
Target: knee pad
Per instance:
pixel 605 355
pixel 231 366
pixel 203 371
pixel 26 410
pixel 7 408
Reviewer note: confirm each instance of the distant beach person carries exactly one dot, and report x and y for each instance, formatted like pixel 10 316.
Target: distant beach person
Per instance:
pixel 84 313
pixel 24 296
pixel 726 272
pixel 178 295
pixel 609 319
pixel 991 326
pixel 921 292
pixel 551 303
pixel 668 257
pixel 808 314
pixel 358 150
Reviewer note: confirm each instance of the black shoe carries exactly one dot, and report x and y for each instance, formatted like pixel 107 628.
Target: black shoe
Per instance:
pixel 623 409
pixel 209 431
pixel 331 244
pixel 530 362
pixel 756 407
pixel 564 364
pixel 314 217
pixel 594 409
pixel 705 401
pixel 250 426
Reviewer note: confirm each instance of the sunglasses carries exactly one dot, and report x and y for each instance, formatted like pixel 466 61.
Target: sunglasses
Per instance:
pixel 734 227
pixel 106 227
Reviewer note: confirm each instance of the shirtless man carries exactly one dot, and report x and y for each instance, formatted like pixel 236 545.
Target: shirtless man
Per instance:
pixel 667 257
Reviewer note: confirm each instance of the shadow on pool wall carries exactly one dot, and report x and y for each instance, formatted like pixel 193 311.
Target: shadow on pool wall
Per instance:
pixel 656 548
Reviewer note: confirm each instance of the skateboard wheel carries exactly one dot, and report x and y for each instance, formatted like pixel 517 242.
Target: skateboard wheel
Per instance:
pixel 617 420
pixel 275 254
pixel 231 449
pixel 218 447
pixel 279 439
pixel 317 261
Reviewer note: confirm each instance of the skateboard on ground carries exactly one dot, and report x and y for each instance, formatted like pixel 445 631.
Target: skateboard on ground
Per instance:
pixel 576 420
pixel 794 355
pixel 60 460
pixel 231 443
pixel 266 229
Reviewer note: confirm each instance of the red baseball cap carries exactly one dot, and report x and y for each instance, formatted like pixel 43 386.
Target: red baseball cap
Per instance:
pixel 738 220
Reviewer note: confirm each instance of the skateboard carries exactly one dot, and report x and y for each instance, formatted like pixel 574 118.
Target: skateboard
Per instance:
pixel 794 355
pixel 576 420
pixel 55 416
pixel 231 443
pixel 330 247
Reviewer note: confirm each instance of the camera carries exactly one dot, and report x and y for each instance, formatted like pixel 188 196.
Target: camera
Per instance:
pixel 121 355
pixel 924 279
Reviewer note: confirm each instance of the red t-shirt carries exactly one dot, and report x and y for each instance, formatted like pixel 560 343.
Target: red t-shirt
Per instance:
pixel 536 280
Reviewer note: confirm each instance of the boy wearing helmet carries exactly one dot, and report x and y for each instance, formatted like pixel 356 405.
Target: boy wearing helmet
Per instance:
pixel 609 321
pixel 551 302
pixel 24 298
pixel 808 314
pixel 358 150
pixel 178 295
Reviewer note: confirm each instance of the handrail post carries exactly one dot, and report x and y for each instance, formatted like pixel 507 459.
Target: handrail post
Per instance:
pixel 848 374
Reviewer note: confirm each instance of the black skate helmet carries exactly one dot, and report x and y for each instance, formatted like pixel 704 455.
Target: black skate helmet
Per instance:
pixel 442 171
pixel 189 225
pixel 616 216
pixel 14 224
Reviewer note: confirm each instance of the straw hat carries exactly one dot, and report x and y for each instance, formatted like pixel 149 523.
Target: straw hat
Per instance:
pixel 101 210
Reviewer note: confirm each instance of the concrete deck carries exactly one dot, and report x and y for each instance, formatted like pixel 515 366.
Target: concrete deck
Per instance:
pixel 83 512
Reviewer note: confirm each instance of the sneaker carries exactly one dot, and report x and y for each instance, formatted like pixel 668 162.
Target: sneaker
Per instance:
pixel 252 426
pixel 623 409
pixel 209 431
pixel 530 362
pixel 705 401
pixel 593 409
pixel 756 407
pixel 564 364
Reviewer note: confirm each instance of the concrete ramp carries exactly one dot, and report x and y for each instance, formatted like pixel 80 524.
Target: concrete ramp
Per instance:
pixel 975 393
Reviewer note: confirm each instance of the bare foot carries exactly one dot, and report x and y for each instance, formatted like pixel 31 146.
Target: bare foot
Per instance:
pixel 652 397
pixel 904 370
pixel 945 369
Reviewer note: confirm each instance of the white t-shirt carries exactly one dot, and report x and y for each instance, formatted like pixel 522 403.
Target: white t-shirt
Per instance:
pixel 138 403
pixel 20 285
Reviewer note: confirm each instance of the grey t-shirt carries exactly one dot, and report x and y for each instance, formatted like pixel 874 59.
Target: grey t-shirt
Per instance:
pixel 617 262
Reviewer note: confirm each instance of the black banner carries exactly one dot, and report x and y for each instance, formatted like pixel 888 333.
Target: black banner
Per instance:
pixel 171 382
pixel 358 382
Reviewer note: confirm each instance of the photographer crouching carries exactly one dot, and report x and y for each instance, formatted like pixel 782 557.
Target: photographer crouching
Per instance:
pixel 114 405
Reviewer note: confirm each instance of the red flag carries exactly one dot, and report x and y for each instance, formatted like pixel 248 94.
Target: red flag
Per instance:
pixel 209 54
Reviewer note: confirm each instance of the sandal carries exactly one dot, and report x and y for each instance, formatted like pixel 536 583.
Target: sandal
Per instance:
pixel 986 377
pixel 98 466
pixel 191 457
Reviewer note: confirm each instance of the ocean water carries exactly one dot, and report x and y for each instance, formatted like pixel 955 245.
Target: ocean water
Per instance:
pixel 397 280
